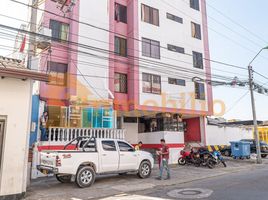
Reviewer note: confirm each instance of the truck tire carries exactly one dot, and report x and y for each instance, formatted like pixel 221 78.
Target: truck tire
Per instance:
pixel 85 177
pixel 64 178
pixel 145 169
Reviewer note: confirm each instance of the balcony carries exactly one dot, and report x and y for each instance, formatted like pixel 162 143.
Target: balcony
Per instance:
pixel 43 40
pixel 61 136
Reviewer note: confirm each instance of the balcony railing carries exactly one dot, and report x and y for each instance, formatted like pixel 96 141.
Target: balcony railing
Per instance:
pixel 61 135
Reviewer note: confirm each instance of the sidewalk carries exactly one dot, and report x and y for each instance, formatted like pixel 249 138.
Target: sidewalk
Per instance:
pixel 50 188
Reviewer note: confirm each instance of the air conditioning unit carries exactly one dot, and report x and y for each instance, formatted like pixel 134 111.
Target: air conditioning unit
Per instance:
pixel 43 40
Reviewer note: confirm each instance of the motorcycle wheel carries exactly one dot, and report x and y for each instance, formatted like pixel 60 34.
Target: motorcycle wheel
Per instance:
pixel 210 163
pixel 181 161
pixel 224 163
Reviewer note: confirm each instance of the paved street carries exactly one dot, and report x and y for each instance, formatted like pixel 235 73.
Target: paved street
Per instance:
pixel 240 177
pixel 247 185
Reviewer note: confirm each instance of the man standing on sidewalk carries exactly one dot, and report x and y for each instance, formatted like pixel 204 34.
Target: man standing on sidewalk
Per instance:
pixel 43 126
pixel 163 159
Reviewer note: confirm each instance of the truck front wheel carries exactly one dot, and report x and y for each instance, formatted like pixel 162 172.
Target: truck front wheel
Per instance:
pixel 145 169
pixel 85 177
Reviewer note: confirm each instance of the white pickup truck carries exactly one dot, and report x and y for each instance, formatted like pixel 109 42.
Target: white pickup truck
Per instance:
pixel 94 156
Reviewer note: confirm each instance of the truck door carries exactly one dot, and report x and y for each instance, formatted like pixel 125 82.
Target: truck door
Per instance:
pixel 109 156
pixel 128 157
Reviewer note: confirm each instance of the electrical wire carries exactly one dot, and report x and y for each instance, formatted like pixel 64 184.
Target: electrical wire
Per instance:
pixel 175 67
pixel 103 29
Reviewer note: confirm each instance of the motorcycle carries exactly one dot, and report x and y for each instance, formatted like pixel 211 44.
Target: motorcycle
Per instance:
pixel 189 157
pixel 218 158
pixel 206 158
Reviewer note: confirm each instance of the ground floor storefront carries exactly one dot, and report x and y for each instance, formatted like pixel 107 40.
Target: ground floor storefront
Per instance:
pixel 67 122
pixel 177 130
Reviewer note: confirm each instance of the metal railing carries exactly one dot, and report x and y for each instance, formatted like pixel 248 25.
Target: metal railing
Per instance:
pixel 64 135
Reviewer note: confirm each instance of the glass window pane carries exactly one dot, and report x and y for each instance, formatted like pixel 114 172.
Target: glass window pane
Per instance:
pixel 64 32
pixel 116 45
pixel 123 47
pixel 198 60
pixel 125 147
pixel 155 17
pixel 117 82
pixel 123 83
pixel 146 47
pixel 108 146
pixel 147 14
pixel 55 29
pixel 193 29
pixel 155 48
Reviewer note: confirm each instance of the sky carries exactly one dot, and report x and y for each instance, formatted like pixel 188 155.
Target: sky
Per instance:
pixel 229 42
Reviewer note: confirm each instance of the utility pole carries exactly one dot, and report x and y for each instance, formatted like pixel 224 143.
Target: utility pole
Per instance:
pixel 256 134
pixel 33 28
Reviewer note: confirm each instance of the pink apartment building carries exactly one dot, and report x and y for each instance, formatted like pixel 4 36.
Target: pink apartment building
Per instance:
pixel 128 64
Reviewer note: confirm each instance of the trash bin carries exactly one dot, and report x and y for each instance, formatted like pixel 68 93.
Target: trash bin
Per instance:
pixel 240 149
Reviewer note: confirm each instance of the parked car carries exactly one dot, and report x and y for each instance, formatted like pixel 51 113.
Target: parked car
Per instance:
pixel 94 156
pixel 264 148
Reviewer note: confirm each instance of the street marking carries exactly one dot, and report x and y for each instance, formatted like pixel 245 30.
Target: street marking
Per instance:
pixel 190 193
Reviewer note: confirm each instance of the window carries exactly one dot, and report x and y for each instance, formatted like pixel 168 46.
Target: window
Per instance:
pixel 59 30
pixel 198 60
pixel 175 81
pixel 120 46
pixel 124 146
pixel 200 91
pixel 196 30
pixel 98 117
pixel 149 15
pixel 120 83
pixel 174 18
pixel 161 122
pixel 130 119
pixel 194 4
pixel 120 13
pixel 150 48
pixel 58 73
pixel 175 48
pixel 108 145
pixel 151 83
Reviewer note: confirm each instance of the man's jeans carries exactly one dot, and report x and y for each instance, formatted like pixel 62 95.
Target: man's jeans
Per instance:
pixel 164 165
pixel 43 134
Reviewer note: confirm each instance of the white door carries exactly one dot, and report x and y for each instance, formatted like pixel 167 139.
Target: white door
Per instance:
pixel 109 156
pixel 128 157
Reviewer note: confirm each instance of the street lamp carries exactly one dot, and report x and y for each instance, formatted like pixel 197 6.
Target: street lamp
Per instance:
pixel 256 134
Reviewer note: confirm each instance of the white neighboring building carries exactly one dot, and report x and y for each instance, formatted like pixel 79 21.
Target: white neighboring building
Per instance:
pixel 221 133
pixel 15 110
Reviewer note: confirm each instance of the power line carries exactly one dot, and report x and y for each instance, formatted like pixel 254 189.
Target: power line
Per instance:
pixel 238 24
pixel 103 29
pixel 175 67
pixel 227 27
pixel 218 62
pixel 223 35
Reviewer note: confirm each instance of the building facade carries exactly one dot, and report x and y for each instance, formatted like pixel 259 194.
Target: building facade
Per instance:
pixel 15 111
pixel 128 64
